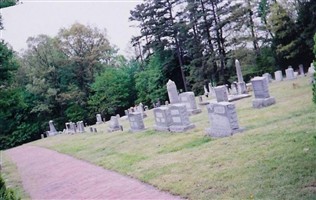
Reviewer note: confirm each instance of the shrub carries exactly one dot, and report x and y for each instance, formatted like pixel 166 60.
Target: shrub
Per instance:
pixel 6 193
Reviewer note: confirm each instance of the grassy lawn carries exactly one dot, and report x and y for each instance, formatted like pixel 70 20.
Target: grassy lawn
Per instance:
pixel 274 158
pixel 9 173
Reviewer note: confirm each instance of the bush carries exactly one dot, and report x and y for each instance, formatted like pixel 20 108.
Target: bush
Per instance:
pixel 6 193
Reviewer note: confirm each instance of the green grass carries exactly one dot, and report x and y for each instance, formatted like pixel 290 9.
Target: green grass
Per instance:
pixel 274 158
pixel 12 178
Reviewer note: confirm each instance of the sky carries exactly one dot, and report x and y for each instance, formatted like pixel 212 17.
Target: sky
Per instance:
pixel 34 17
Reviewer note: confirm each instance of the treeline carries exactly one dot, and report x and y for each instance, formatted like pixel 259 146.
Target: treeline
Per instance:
pixel 204 37
pixel 77 73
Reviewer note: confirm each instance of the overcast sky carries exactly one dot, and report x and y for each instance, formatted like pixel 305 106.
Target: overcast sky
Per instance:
pixel 46 17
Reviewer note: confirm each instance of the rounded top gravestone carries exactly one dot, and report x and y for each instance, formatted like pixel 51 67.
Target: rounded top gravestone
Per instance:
pixel 172 92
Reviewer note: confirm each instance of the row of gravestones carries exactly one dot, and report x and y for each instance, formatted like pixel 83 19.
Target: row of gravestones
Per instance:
pixel 70 128
pixel 222 114
pixel 290 74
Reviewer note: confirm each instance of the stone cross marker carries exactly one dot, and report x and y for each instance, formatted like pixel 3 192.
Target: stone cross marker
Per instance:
pixel 114 124
pixel 99 119
pixel 278 75
pixel 172 92
pixel 221 93
pixel 289 72
pixel 223 119
pixel 241 84
pixel 261 91
pixel 162 118
pixel 52 130
pixel 179 118
pixel 188 99
pixel 136 122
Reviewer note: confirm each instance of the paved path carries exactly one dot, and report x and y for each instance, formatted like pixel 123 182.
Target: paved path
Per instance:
pixel 47 174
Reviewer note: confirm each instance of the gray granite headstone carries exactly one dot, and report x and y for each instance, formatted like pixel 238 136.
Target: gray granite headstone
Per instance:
pixel 278 75
pixel 301 69
pixel 268 77
pixel 211 88
pixel 221 93
pixel 114 124
pixel 289 72
pixel 52 130
pixel 241 85
pixel 162 118
pixel 223 119
pixel 140 108
pixel 172 92
pixel 99 119
pixel 136 122
pixel 80 127
pixel 311 69
pixel 234 90
pixel 311 72
pixel 180 121
pixel 261 92
pixel 188 99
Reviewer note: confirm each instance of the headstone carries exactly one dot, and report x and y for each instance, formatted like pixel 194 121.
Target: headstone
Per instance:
pixel 295 74
pixel 70 127
pixel 91 129
pixel 311 69
pixel 311 72
pixel 99 119
pixel 158 104
pixel 289 72
pixel 278 75
pixel 140 108
pixel 95 130
pixel 52 130
pixel 249 87
pixel 234 90
pixel 261 92
pixel 179 118
pixel 42 136
pixel 301 69
pixel 223 119
pixel 136 122
pixel 73 127
pixel 166 103
pixel 241 85
pixel 221 93
pixel 126 112
pixel 80 127
pixel 211 88
pixel 201 102
pixel 114 124
pixel 268 77
pixel 162 118
pixel 188 99
pixel 172 92
pixel 205 91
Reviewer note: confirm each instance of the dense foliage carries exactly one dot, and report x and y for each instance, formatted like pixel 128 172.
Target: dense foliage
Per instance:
pixel 6 193
pixel 77 73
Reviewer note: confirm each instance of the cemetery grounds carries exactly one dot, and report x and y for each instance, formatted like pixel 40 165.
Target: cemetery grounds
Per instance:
pixel 274 158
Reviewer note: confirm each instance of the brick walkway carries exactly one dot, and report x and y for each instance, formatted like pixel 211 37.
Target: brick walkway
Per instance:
pixel 47 174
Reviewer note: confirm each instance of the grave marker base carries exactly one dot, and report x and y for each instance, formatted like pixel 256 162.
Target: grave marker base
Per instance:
pixel 261 103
